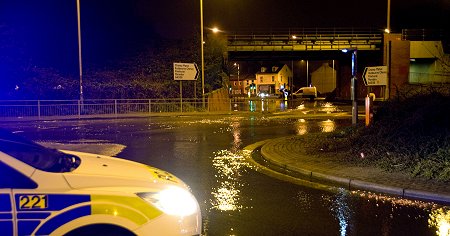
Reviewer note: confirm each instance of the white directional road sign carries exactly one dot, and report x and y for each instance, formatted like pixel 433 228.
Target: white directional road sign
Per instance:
pixel 185 71
pixel 374 76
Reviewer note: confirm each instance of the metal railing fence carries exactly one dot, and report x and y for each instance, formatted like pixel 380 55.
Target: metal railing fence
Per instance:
pixel 40 109
pixel 88 107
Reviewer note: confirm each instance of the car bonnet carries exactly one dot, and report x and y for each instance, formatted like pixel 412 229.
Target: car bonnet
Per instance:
pixel 104 171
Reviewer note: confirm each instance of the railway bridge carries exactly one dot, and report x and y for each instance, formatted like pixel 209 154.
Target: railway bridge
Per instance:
pixel 291 44
pixel 397 51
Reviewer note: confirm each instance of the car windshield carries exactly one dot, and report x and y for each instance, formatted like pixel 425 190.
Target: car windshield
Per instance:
pixel 36 155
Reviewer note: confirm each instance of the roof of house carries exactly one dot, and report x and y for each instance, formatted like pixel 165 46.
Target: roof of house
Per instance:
pixel 274 69
pixel 242 77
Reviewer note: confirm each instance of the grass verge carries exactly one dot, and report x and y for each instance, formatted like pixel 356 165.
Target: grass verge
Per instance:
pixel 410 133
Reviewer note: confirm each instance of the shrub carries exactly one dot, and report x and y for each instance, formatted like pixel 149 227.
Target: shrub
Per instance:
pixel 409 133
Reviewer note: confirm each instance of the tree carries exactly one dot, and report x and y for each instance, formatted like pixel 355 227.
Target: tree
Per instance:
pixel 215 54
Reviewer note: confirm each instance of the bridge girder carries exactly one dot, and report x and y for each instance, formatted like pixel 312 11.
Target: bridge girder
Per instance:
pixel 314 44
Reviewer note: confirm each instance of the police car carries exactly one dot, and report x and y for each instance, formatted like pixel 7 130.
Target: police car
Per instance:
pixel 45 191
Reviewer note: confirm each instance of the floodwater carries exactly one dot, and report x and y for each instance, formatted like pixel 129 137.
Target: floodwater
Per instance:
pixel 206 152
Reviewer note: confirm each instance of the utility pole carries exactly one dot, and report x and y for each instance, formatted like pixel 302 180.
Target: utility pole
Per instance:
pixel 202 53
pixel 79 51
pixel 354 92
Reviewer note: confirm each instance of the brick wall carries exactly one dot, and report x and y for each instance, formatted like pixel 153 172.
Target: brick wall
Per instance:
pixel 398 63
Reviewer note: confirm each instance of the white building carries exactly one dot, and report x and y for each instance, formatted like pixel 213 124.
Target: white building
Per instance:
pixel 428 63
pixel 272 80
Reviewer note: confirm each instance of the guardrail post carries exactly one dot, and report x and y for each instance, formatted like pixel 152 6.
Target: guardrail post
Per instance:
pixel 149 106
pixel 115 107
pixel 39 109
pixel 79 109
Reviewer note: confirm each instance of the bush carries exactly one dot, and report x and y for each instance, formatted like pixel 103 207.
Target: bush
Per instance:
pixel 410 134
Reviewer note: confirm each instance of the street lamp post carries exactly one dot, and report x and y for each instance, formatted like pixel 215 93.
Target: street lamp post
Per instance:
pixel 307 73
pixel 239 85
pixel 388 26
pixel 387 47
pixel 353 88
pixel 202 53
pixel 79 51
pixel 353 85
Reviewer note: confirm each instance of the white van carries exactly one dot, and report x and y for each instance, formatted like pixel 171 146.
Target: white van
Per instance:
pixel 306 92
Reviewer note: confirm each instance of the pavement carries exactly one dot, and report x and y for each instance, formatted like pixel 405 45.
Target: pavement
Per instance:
pixel 288 155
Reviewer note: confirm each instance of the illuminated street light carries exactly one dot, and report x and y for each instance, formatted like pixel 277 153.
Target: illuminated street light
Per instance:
pixel 239 85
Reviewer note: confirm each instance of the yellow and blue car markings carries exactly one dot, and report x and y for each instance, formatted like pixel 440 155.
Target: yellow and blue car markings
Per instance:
pixel 41 214
pixel 131 208
pixel 6 216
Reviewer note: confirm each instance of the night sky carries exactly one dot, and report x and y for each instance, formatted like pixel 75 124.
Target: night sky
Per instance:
pixel 47 29
pixel 173 18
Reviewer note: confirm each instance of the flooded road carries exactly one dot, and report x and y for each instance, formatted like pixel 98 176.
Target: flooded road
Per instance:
pixel 206 152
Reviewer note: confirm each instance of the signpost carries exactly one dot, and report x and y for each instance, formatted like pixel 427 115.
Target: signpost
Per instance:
pixel 375 76
pixel 184 71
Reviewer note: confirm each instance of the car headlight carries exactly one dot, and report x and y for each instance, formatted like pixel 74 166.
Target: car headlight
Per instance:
pixel 172 201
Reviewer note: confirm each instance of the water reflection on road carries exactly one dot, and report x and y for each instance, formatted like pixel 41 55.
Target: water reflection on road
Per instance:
pixel 230 195
pixel 341 210
pixel 440 219
pixel 303 126
pixel 230 166
pixel 206 152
